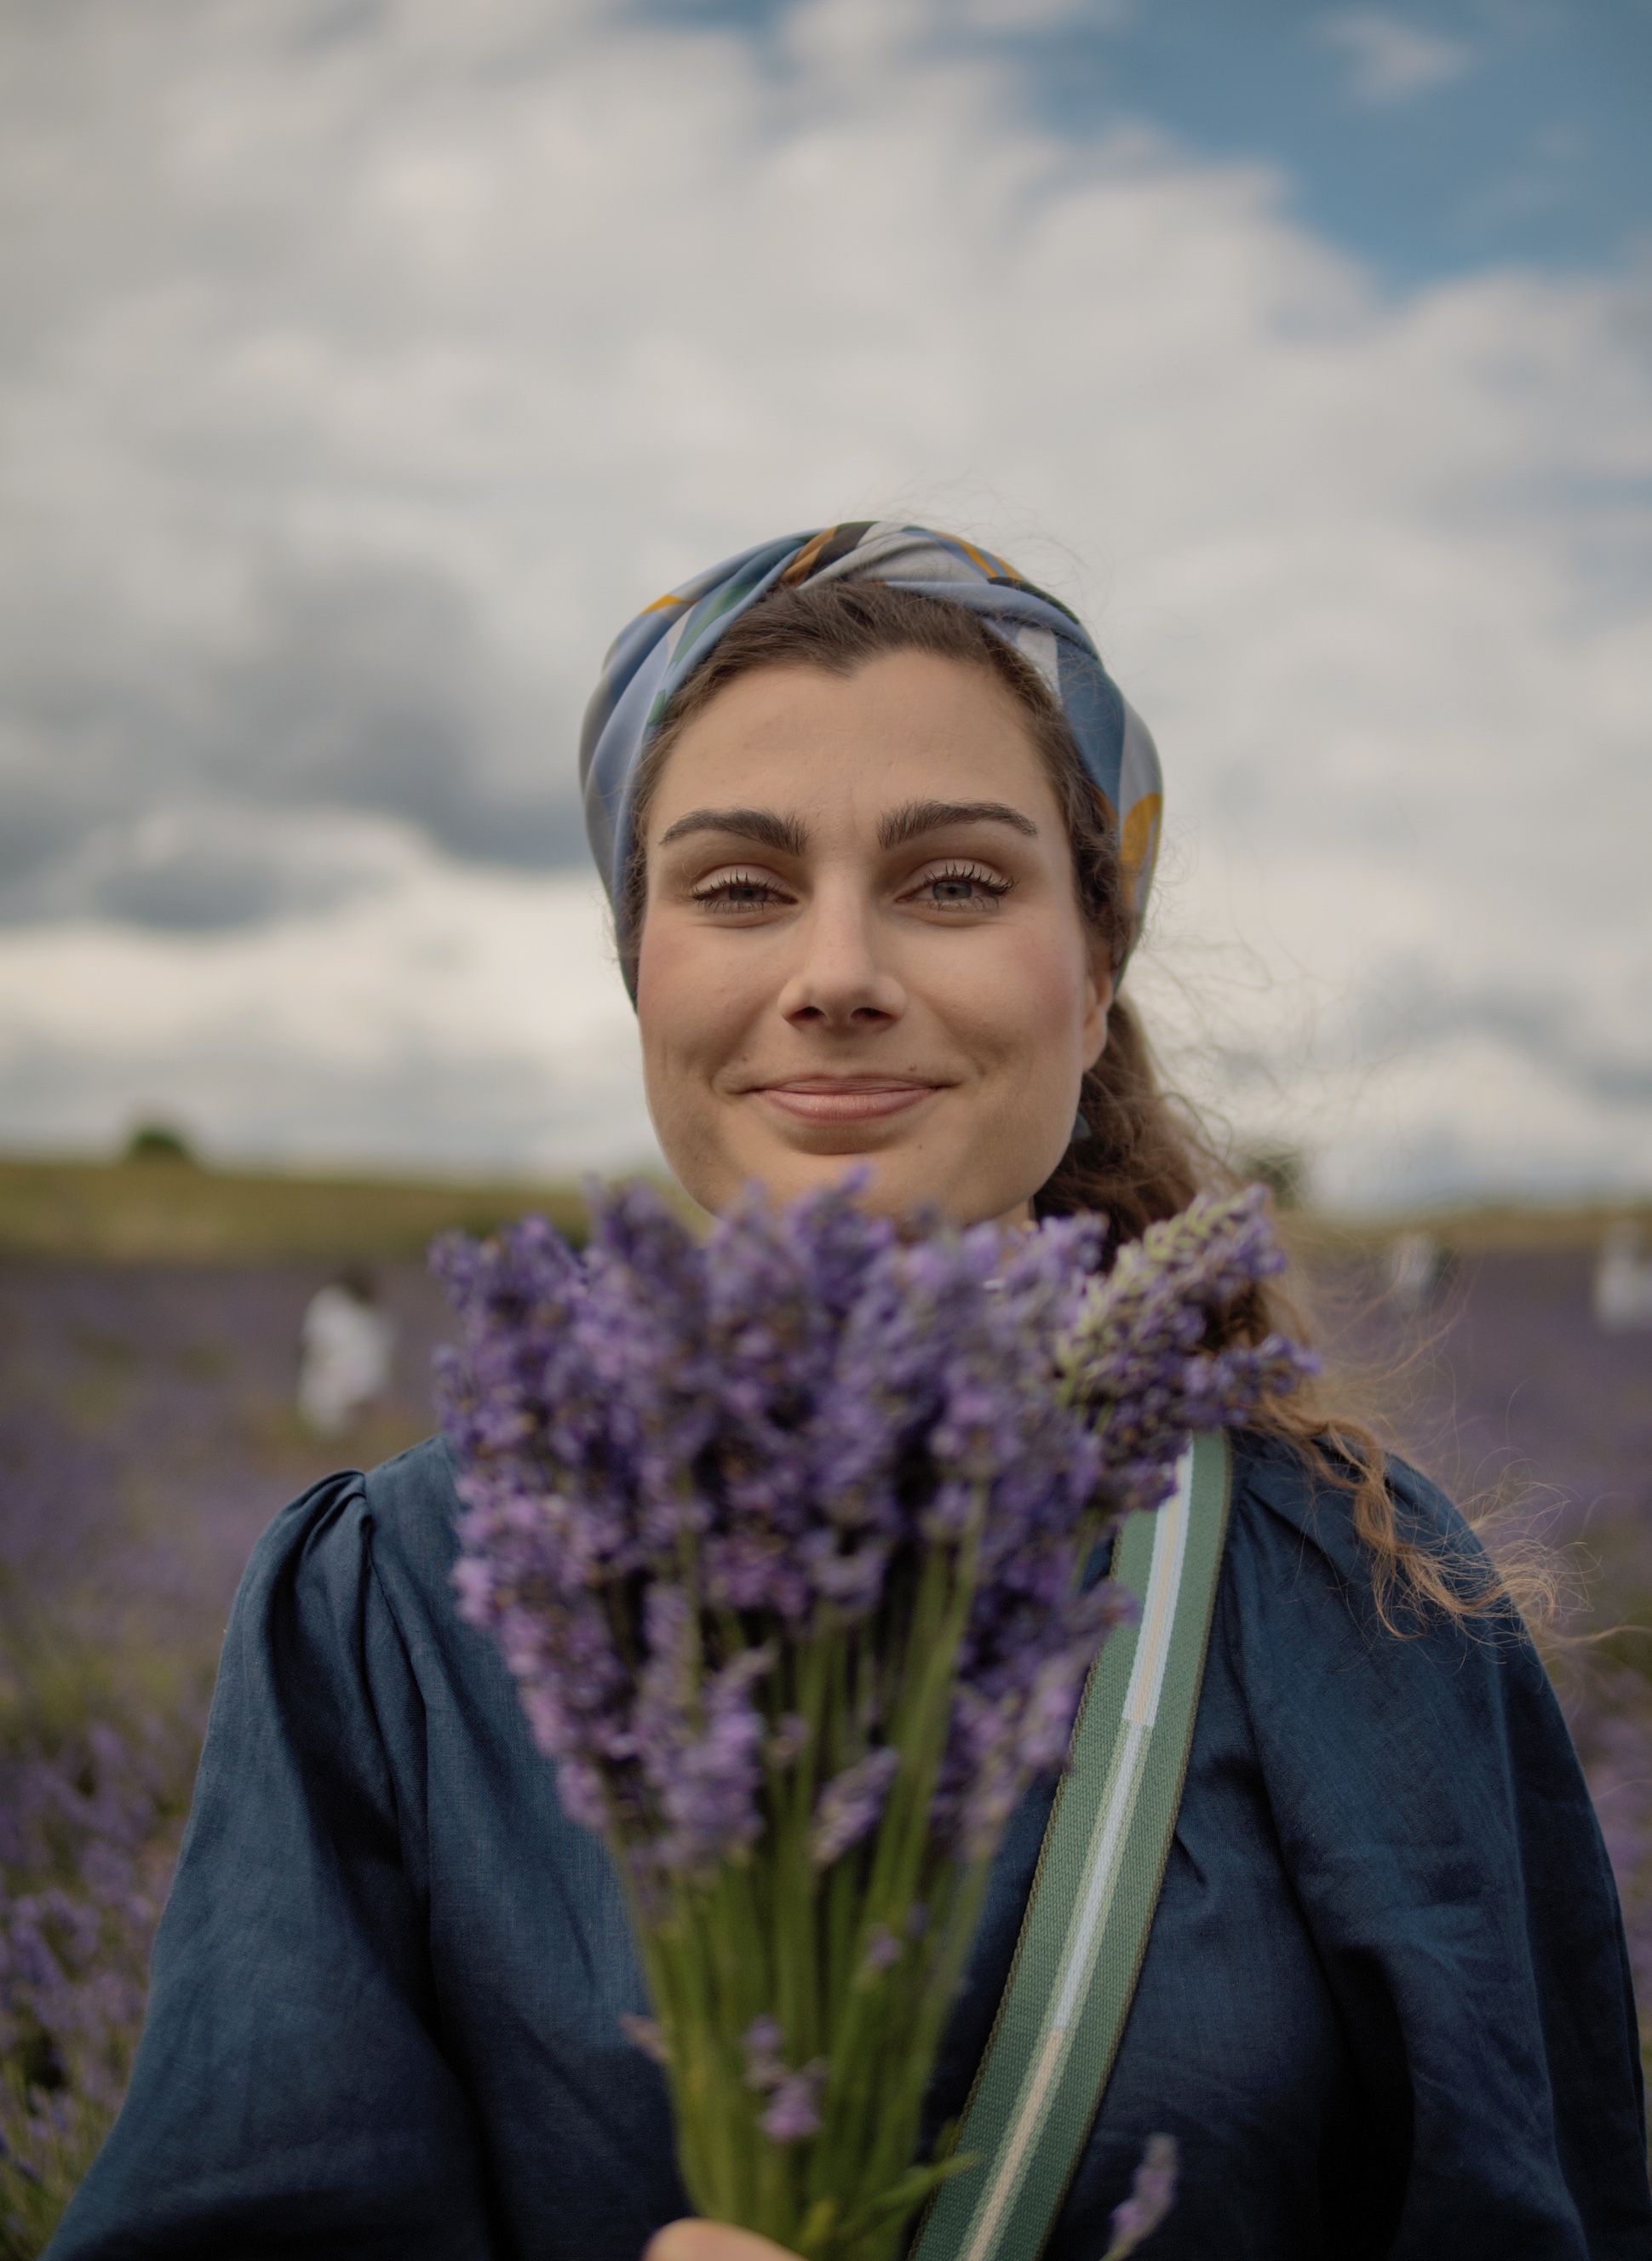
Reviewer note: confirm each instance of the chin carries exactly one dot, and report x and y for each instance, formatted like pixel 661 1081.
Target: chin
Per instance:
pixel 904 1176
pixel 900 1184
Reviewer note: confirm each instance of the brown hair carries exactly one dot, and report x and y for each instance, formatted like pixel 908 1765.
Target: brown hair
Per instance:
pixel 1147 1155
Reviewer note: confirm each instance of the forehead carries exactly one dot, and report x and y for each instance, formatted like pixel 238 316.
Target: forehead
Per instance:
pixel 908 725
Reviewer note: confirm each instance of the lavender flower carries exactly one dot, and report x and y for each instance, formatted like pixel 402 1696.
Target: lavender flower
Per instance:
pixel 793 2107
pixel 1134 1350
pixel 849 1804
pixel 883 1950
pixel 1152 2194
pixel 804 1403
pixel 792 1737
pixel 795 2110
pixel 785 1538
pixel 699 1738
pixel 766 2067
pixel 800 1401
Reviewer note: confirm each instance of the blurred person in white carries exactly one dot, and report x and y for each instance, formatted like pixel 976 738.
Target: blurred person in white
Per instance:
pixel 347 1345
pixel 1623 1280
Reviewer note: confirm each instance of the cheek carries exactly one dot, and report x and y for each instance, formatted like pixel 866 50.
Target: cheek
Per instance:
pixel 1027 996
pixel 666 999
pixel 691 1005
pixel 655 988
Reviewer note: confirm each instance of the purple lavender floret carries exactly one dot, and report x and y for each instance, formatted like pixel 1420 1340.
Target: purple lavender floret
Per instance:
pixel 674 1457
pixel 794 2109
pixel 849 1807
pixel 1152 2194
pixel 1136 1349
pixel 766 2067
pixel 883 1951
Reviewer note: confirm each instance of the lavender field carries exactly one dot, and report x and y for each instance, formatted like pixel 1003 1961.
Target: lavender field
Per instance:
pixel 147 1433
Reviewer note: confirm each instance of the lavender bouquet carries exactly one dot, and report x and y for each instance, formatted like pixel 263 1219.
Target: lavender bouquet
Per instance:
pixel 784 1537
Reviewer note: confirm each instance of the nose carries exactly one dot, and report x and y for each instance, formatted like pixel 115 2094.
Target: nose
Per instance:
pixel 841 979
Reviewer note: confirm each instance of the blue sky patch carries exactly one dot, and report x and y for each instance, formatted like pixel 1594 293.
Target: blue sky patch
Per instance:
pixel 1427 141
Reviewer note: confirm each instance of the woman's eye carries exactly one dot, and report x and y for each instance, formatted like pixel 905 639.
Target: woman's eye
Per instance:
pixel 736 891
pixel 960 887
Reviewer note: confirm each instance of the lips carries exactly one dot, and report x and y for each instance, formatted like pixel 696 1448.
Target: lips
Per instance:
pixel 832 1100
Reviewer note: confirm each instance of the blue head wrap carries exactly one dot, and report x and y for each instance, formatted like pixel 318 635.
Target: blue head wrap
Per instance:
pixel 663 645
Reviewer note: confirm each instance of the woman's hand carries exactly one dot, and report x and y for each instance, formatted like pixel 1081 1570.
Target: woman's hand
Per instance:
pixel 694 2240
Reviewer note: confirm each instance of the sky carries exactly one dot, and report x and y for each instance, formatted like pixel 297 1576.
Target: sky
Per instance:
pixel 367 364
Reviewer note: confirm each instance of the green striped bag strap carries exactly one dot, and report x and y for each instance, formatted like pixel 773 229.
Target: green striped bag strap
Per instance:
pixel 1092 1902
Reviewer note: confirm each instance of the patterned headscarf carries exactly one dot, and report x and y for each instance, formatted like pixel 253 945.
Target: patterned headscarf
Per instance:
pixel 665 644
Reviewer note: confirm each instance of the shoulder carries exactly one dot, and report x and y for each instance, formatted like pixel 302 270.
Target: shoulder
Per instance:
pixel 348 1598
pixel 397 1518
pixel 1287 1503
pixel 413 1509
pixel 1314 1654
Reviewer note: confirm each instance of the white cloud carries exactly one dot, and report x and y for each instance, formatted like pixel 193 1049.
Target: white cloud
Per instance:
pixel 543 312
pixel 1389 60
pixel 469 1019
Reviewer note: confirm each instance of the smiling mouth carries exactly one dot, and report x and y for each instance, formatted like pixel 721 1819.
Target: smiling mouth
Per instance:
pixel 845 1099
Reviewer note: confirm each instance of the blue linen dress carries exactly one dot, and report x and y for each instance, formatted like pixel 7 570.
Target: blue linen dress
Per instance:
pixel 1385 2008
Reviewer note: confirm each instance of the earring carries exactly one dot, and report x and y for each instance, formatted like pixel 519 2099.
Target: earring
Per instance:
pixel 1081 1130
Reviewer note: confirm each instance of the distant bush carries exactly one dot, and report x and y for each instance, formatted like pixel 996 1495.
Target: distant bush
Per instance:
pixel 158 1142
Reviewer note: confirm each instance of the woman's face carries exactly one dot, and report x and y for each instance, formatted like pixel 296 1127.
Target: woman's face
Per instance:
pixel 862 943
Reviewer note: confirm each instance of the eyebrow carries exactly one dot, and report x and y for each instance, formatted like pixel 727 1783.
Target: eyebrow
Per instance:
pixel 784 833
pixel 921 816
pixel 789 836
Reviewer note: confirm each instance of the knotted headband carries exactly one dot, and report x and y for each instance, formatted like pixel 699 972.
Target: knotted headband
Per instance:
pixel 663 645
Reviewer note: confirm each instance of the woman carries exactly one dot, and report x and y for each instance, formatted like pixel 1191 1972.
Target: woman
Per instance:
pixel 878 828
